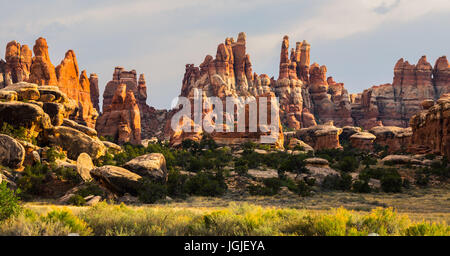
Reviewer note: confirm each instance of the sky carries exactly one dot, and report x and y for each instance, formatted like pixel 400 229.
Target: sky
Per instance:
pixel 358 40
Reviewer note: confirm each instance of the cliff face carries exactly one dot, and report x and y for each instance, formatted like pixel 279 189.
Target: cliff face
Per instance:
pixel 431 128
pixel 228 75
pixel 394 104
pixel 20 66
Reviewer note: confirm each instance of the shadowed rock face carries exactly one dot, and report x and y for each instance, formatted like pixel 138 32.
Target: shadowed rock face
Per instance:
pixel 121 120
pixel 20 66
pixel 431 128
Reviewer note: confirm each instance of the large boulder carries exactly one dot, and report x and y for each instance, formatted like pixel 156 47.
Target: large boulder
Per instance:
pixel 27 115
pixel 76 142
pixel 82 128
pixel 84 166
pixel 151 165
pixel 25 91
pixel 12 152
pixel 117 178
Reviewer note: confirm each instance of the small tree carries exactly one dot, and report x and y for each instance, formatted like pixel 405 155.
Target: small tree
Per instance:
pixel 9 202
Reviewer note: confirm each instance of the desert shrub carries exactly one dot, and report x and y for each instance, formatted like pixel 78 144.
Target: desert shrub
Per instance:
pixel 176 184
pixel 20 133
pixel 422 178
pixel 90 188
pixel 427 229
pixel 347 164
pixel 361 186
pixel 9 202
pixel 337 182
pixel 391 183
pixel 206 184
pixel 151 191
pixel 68 219
pixel 67 174
pixel 32 182
pixel 52 154
pixel 76 200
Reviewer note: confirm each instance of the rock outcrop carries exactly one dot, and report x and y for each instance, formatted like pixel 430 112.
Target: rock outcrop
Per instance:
pixel 396 139
pixel 320 136
pixel 229 75
pixel 362 140
pixel 21 66
pixel 12 153
pixel 431 128
pixel 153 121
pixel 394 104
pixel 121 119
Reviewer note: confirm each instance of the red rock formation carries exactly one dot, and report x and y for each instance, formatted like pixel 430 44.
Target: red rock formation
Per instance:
pixel 394 104
pixel 121 120
pixel 95 93
pixel 396 139
pixel 77 87
pixel 18 63
pixel 153 121
pixel 42 70
pixel 320 136
pixel 431 129
pixel 229 74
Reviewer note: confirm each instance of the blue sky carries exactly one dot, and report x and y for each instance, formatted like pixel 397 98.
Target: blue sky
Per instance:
pixel 358 40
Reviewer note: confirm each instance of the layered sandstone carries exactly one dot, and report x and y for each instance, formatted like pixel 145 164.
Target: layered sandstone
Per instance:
pixel 228 75
pixel 394 104
pixel 121 119
pixel 21 66
pixel 431 128
pixel 396 139
pixel 153 121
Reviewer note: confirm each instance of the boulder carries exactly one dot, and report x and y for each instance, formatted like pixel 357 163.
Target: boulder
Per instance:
pixel 76 142
pixel 117 178
pixel 82 128
pixel 316 161
pixel 400 159
pixel 12 153
pixel 320 136
pixel 396 138
pixel 112 146
pixel 293 143
pixel 25 91
pixel 151 165
pixel 26 115
pixel 84 166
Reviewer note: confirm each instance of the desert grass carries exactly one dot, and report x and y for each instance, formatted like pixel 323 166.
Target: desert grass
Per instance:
pixel 237 219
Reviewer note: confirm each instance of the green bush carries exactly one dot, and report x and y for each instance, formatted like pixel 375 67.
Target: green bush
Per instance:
pixel 90 188
pixel 176 184
pixel 9 202
pixel 337 182
pixel 76 200
pixel 150 191
pixel 206 184
pixel 391 183
pixel 20 133
pixel 361 186
pixel 53 154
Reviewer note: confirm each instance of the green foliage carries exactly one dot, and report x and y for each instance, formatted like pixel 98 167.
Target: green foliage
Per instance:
pixel 32 181
pixel 90 188
pixel 66 217
pixel 347 164
pixel 53 154
pixel 150 191
pixel 337 182
pixel 76 200
pixel 392 183
pixel 9 202
pixel 361 186
pixel 67 174
pixel 206 184
pixel 176 184
pixel 20 133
